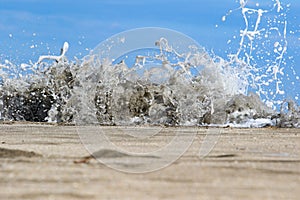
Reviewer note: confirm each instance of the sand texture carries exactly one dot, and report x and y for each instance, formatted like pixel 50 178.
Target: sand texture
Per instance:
pixel 40 161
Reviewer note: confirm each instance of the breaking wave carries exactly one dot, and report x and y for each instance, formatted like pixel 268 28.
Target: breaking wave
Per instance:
pixel 158 86
pixel 120 95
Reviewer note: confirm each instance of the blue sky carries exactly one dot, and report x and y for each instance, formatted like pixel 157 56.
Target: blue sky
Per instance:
pixel 86 23
pixel 29 28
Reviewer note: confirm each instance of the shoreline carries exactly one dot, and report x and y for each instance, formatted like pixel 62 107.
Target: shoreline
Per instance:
pixel 41 162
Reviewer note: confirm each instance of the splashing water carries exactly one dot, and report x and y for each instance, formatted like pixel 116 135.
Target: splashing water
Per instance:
pixel 172 84
pixel 262 48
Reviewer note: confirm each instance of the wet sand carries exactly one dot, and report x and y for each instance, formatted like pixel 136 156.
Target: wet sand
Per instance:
pixel 39 161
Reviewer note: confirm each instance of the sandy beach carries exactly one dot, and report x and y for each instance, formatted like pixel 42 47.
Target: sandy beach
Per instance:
pixel 41 161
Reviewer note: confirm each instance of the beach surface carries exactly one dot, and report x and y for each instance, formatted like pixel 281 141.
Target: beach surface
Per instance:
pixel 44 161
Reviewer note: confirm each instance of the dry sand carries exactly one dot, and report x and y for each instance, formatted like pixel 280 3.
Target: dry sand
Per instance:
pixel 47 162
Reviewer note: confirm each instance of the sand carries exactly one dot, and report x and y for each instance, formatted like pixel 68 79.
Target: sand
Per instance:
pixel 40 161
